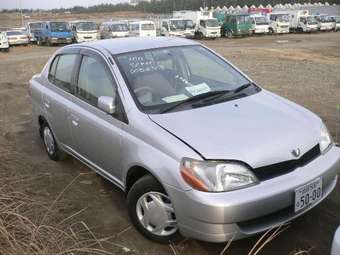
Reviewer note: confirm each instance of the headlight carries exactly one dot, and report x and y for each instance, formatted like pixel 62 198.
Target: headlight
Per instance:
pixel 325 139
pixel 216 176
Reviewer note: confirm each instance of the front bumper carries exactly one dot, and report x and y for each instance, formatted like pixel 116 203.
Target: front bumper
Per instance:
pixel 282 30
pixel 218 217
pixel 56 40
pixel 18 42
pixel 4 45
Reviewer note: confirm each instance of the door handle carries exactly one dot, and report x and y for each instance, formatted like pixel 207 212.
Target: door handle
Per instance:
pixel 47 105
pixel 75 123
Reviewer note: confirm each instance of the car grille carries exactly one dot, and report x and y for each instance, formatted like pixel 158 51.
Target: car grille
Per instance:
pixel 271 171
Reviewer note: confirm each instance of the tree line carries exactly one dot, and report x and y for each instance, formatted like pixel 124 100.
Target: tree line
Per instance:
pixel 168 6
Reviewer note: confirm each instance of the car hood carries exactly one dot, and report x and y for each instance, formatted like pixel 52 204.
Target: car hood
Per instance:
pixel 259 130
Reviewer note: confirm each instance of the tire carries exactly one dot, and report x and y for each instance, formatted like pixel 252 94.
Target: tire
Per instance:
pixel 228 34
pixel 142 193
pixel 51 146
pixel 270 31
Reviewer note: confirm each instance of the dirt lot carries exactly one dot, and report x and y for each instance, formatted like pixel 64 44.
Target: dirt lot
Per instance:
pixel 303 68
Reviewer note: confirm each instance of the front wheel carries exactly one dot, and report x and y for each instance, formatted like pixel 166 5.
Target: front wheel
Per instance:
pixel 151 211
pixel 228 34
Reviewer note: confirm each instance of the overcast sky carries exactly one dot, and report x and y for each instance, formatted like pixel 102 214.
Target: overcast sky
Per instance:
pixel 50 4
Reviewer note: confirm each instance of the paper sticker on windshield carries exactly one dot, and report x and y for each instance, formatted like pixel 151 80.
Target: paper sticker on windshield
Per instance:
pixel 198 89
pixel 175 98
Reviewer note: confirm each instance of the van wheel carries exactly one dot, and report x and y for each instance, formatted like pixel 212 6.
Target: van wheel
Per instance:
pixel 228 34
pixel 151 211
pixel 50 143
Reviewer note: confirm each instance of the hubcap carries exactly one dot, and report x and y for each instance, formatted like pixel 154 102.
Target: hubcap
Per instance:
pixel 156 213
pixel 48 140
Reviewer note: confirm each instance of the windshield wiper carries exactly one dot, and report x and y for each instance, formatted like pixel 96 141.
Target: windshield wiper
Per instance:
pixel 211 94
pixel 243 87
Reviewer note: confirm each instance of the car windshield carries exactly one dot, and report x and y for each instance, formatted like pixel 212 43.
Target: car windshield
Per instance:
pixel 212 23
pixel 261 21
pixel 119 27
pixel 59 27
pixel 149 26
pixel 35 26
pixel 162 77
pixel 15 33
pixel 86 26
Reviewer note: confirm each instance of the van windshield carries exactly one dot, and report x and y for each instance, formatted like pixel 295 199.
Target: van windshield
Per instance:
pixel 311 20
pixel 261 21
pixel 283 18
pixel 212 23
pixel 161 77
pixel 148 26
pixel 86 26
pixel 59 27
pixel 119 27
pixel 35 26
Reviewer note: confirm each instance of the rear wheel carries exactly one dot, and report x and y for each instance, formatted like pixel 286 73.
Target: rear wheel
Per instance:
pixel 151 210
pixel 228 34
pixel 51 146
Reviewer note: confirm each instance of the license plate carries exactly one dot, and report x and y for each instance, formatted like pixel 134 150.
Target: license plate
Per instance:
pixel 308 194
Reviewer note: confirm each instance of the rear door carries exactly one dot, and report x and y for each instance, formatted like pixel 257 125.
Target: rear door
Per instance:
pixel 58 98
pixel 97 134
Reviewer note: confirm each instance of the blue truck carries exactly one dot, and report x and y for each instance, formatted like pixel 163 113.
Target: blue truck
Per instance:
pixel 54 32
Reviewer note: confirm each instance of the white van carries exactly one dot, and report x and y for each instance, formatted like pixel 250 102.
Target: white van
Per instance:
pixel 85 31
pixel 143 28
pixel 260 23
pixel 4 45
pixel 114 29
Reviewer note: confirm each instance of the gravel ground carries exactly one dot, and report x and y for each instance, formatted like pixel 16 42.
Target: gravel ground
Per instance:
pixel 305 68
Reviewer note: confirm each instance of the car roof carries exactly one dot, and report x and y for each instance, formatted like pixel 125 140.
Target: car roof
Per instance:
pixel 130 44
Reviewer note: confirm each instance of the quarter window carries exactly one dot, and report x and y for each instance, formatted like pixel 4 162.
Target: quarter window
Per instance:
pixel 94 81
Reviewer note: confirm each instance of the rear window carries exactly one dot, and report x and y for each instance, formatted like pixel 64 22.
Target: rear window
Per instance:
pixel 15 33
pixel 148 27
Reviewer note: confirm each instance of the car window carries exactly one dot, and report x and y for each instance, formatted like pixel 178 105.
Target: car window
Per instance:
pixel 62 70
pixel 94 81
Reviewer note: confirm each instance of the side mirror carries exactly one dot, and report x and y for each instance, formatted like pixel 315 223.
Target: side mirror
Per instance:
pixel 336 243
pixel 107 104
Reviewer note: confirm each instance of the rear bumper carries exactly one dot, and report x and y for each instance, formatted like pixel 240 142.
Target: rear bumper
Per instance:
pixel 217 217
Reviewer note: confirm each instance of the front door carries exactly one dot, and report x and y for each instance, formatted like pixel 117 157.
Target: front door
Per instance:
pixel 97 134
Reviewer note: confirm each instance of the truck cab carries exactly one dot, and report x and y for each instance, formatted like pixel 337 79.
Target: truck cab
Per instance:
pixel 54 32
pixel 32 29
pixel 84 31
pixel 178 27
pixel 237 25
pixel 260 24
pixel 307 24
pixel 279 23
pixel 4 45
pixel 209 28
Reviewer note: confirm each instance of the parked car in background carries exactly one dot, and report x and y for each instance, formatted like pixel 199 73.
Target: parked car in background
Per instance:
pixel 4 45
pixel 54 32
pixel 32 29
pixel 325 22
pixel 336 243
pixel 85 31
pixel 114 29
pixel 195 144
pixel 178 27
pixel 17 37
pixel 301 21
pixel 237 25
pixel 279 22
pixel 260 24
pixel 144 28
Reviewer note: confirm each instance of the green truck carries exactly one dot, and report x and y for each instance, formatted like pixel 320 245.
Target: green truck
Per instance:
pixel 236 25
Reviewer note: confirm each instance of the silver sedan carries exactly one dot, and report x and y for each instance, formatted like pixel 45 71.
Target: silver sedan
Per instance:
pixel 198 147
pixel 17 38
